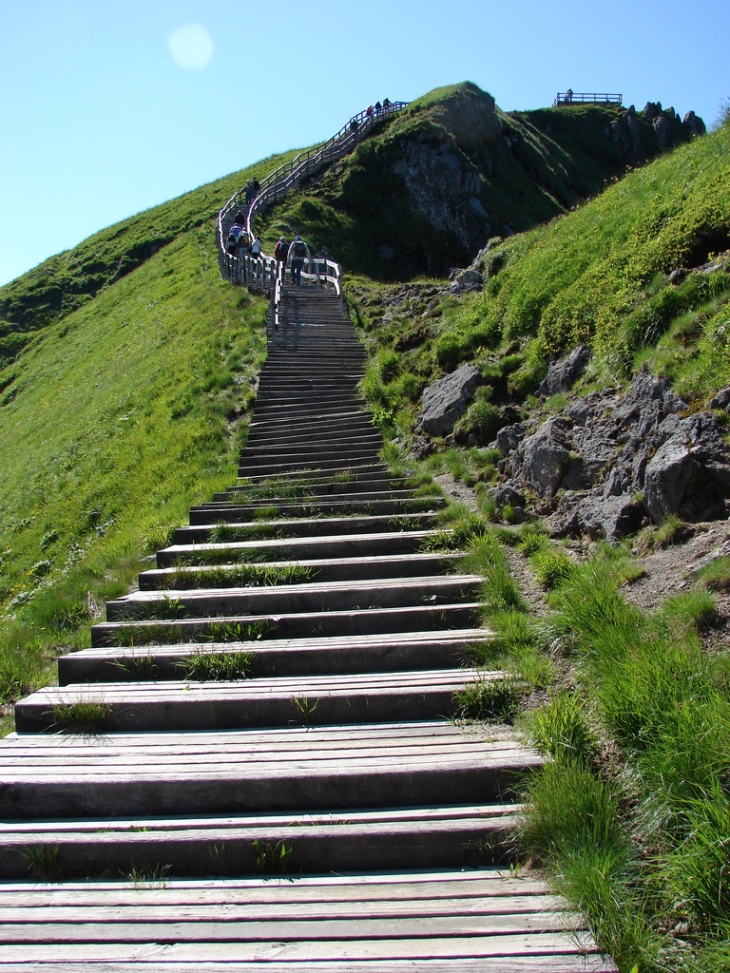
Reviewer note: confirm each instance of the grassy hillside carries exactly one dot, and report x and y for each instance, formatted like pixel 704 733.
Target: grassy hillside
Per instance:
pixel 113 422
pixel 530 167
pixel 600 275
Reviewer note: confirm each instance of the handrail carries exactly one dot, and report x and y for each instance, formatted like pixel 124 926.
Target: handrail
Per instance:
pixel 276 184
pixel 586 98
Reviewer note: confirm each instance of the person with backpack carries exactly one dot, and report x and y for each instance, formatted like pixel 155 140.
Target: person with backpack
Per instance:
pixel 235 233
pixel 281 251
pixel 298 253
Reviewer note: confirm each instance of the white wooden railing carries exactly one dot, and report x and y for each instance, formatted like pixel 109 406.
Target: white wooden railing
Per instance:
pixel 262 274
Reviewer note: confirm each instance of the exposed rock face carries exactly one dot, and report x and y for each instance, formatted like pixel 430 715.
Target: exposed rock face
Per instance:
pixel 694 123
pixel 689 475
pixel 562 375
pixel 447 400
pixel 444 186
pixel 626 129
pixel 616 460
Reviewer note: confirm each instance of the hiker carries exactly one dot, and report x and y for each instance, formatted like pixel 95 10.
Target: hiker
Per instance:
pixel 369 112
pixel 235 233
pixel 255 186
pixel 249 193
pixel 280 254
pixel 298 252
pixel 378 108
pixel 386 103
pixel 569 96
pixel 256 247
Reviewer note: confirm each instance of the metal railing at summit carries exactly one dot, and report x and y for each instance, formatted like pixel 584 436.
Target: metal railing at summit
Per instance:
pixel 586 98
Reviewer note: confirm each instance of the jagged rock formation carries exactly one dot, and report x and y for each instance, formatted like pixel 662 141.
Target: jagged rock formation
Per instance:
pixel 607 462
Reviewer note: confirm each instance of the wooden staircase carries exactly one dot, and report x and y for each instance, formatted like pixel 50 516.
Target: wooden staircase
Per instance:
pixel 318 809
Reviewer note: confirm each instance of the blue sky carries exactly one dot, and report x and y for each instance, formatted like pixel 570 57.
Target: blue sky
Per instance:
pixel 108 107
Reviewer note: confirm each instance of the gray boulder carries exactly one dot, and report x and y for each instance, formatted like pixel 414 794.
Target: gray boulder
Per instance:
pixel 507 494
pixel 545 457
pixel 446 401
pixel 593 515
pixel 689 475
pixel 721 400
pixel 563 374
pixel 509 438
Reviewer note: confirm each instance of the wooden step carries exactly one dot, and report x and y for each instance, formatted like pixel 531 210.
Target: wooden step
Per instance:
pixel 234 771
pixel 290 548
pixel 357 840
pixel 282 701
pixel 316 569
pixel 484 921
pixel 336 596
pixel 392 652
pixel 301 624
pixel 310 527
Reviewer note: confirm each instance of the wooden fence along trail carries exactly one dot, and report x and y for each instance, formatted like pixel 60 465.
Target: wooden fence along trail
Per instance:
pixel 316 810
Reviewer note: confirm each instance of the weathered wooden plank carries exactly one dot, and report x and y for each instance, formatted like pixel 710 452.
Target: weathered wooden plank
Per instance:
pixel 513 964
pixel 397 908
pixel 470 947
pixel 290 930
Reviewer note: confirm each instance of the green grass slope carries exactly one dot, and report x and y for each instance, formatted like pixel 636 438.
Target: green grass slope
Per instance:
pixel 600 275
pixel 118 418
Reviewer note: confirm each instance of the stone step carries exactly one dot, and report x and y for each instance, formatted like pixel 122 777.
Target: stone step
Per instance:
pixel 435 837
pixel 334 596
pixel 281 701
pixel 435 921
pixel 355 621
pixel 236 771
pixel 245 513
pixel 305 547
pixel 315 569
pixel 392 652
pixel 305 527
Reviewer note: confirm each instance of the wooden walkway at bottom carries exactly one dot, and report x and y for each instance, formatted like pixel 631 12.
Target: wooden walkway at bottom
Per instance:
pixel 433 922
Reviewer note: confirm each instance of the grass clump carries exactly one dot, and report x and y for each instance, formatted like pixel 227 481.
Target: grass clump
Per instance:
pixel 44 862
pixel 217 666
pixel 244 576
pixel 87 717
pixel 491 700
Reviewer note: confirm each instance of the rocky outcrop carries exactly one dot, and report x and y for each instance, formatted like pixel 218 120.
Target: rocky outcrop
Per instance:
pixel 563 374
pixel 608 462
pixel 444 186
pixel 446 401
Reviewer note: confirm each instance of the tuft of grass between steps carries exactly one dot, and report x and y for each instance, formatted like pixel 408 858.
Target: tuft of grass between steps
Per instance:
pixel 217 666
pixel 123 415
pixel 244 576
